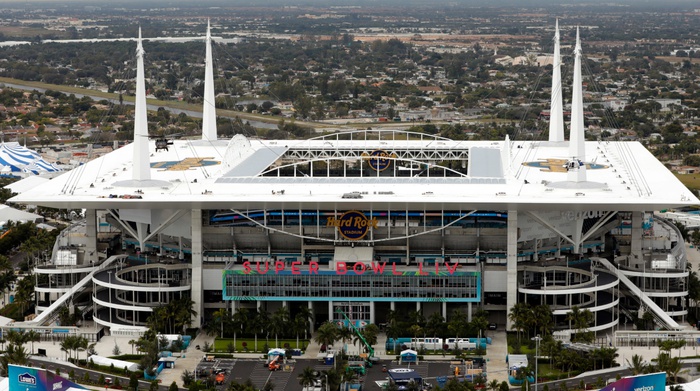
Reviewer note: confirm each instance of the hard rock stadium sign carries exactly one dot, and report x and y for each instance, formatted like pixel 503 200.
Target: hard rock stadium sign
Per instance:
pixel 352 225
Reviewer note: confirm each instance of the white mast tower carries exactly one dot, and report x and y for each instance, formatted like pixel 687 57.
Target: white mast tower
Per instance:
pixel 209 110
pixel 576 167
pixel 142 164
pixel 556 113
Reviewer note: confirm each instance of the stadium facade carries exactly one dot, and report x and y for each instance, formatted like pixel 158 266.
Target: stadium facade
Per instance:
pixel 368 221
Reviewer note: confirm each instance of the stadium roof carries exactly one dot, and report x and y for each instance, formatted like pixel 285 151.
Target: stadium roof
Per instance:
pixel 215 175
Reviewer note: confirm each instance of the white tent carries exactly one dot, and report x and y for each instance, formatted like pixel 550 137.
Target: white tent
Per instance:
pixel 99 360
pixel 276 352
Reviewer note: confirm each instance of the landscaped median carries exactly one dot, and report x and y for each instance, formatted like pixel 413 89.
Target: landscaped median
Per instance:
pixel 245 345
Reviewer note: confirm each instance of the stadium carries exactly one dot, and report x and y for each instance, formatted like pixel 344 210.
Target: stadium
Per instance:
pixel 368 221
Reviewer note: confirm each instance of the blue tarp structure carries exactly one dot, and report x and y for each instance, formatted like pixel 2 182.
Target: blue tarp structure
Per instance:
pixel 17 158
pixel 409 355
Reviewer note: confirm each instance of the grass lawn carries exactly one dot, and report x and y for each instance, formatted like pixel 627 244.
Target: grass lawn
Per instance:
pixel 221 344
pixel 691 181
pixel 549 372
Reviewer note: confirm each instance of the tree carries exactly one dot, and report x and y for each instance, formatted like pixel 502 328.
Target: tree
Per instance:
pixel 32 336
pixel 637 366
pixel 327 334
pixel 308 377
pixel 435 325
pixel 220 320
pixel 543 319
pixel 580 319
pixel 259 322
pixel 345 334
pixel 302 322
pixel 133 382
pixel 173 387
pixel 279 321
pixel 187 377
pixel 519 316
pixel 457 325
pixel 15 354
pixel 239 321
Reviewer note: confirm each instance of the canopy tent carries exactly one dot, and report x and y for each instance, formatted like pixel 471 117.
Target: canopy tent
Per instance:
pixel 106 361
pixel 15 158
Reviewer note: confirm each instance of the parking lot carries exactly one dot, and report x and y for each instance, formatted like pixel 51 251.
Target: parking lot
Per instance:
pixel 287 379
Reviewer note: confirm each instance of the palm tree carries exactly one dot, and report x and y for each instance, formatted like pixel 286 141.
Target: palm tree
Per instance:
pixel 279 322
pixel 15 354
pixel 519 316
pixel 81 346
pixel 327 334
pixel 543 318
pixel 24 293
pixel 307 314
pixel 416 317
pixel 494 385
pixel 260 321
pixel 184 313
pixel 393 330
pixel 435 325
pixel 637 365
pixel 219 321
pixel 674 368
pixel 370 332
pixel 580 319
pixel 608 356
pixel 308 377
pixel 456 326
pixel 300 323
pixel 239 321
pixel 68 345
pixel 345 334
pixel 32 336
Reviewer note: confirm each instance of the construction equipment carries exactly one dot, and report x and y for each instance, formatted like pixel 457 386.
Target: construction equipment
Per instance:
pixel 370 359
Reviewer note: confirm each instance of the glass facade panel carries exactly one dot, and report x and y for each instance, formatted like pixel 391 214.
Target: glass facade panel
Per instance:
pixel 326 286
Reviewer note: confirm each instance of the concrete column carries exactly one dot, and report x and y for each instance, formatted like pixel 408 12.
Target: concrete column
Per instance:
pixel 330 311
pixel 577 235
pixel 418 307
pixel 444 310
pixel 91 235
pixel 469 312
pixel 636 238
pixel 392 306
pixel 512 264
pixel 372 314
pixel 197 291
pixel 310 306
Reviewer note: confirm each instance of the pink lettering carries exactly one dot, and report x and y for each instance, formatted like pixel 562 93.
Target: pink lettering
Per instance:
pixel 267 267
pixel 420 270
pixel 451 270
pixel 361 268
pixel 341 268
pixel 279 266
pixel 378 268
pixel 393 270
pixel 295 268
pixel 313 267
pixel 246 267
